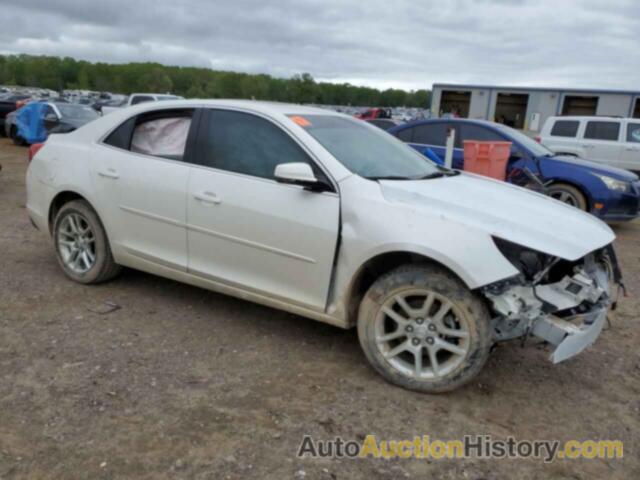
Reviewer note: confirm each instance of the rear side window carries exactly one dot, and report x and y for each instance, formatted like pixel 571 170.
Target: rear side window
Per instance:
pixel 478 133
pixel 121 136
pixel 245 143
pixel 602 131
pixel 161 133
pixel 633 133
pixel 565 128
pixel 431 134
pixel 406 135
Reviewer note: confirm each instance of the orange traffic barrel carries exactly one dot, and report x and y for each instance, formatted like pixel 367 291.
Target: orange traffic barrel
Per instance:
pixel 487 158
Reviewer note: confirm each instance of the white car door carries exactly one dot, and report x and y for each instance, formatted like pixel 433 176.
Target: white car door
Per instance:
pixel 631 148
pixel 247 230
pixel 602 141
pixel 140 176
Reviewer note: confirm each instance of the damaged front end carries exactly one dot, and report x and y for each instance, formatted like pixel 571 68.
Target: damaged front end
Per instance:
pixel 564 303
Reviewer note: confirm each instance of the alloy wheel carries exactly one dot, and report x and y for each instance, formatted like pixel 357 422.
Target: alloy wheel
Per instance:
pixel 422 334
pixel 76 243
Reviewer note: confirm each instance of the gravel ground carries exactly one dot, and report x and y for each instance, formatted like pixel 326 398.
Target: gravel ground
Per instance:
pixel 184 383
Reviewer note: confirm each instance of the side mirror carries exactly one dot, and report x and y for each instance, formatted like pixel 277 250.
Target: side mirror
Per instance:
pixel 296 174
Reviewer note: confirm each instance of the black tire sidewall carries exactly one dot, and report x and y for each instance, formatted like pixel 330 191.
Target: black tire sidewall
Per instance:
pixel 573 191
pixel 83 209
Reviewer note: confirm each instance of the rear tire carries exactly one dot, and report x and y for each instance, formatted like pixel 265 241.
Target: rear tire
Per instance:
pixel 17 139
pixel 81 244
pixel 424 330
pixel 568 194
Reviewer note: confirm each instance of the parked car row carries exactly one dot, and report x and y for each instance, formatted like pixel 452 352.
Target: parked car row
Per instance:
pixel 325 216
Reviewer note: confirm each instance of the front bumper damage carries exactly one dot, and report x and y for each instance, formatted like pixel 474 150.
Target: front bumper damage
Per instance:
pixel 568 313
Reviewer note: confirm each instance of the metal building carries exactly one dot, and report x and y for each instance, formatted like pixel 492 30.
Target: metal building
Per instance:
pixel 528 108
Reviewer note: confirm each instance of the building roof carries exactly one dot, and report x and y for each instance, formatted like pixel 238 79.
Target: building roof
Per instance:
pixel 597 91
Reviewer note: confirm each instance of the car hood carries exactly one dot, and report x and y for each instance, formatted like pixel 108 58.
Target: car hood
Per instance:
pixel 502 210
pixel 595 167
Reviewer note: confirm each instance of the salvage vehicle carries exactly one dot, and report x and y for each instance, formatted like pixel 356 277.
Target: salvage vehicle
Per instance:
pixel 322 215
pixel 609 193
pixel 609 140
pixel 137 98
pixel 34 122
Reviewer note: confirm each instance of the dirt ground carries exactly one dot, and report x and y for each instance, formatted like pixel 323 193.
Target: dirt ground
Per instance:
pixel 185 383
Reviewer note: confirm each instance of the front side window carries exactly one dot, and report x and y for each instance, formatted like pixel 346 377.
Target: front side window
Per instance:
pixel 565 128
pixel 633 133
pixel 602 131
pixel 245 143
pixel 370 153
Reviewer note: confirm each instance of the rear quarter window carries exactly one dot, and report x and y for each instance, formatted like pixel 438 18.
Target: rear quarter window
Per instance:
pixel 565 128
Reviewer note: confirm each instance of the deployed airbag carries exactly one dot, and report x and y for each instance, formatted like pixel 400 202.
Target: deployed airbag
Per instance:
pixel 164 137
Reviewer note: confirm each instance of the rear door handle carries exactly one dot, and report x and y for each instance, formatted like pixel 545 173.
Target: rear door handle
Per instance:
pixel 633 149
pixel 109 173
pixel 208 197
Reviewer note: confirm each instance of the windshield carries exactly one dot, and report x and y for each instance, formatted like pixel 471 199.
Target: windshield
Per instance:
pixel 80 112
pixel 365 150
pixel 529 143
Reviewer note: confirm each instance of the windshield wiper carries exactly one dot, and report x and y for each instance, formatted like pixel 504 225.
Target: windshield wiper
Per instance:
pixel 389 177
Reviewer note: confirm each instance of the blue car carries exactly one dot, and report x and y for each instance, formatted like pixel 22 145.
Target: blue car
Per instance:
pixel 610 193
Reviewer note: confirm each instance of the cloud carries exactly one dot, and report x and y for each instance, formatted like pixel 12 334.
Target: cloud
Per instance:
pixel 407 44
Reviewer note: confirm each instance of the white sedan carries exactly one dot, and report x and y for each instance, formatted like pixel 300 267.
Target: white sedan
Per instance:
pixel 325 216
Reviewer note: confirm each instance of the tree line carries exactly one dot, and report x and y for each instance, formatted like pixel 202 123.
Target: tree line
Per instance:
pixel 57 73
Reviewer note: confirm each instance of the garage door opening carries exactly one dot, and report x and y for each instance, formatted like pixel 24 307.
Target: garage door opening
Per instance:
pixel 580 106
pixel 636 111
pixel 455 104
pixel 511 109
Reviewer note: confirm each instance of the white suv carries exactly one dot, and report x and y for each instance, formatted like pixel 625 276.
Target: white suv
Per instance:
pixel 328 217
pixel 610 140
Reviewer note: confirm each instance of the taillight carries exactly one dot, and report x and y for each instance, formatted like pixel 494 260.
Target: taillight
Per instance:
pixel 33 149
pixel 538 139
pixel 21 103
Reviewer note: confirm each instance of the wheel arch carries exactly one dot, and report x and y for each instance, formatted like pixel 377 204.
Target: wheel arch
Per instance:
pixel 378 265
pixel 59 200
pixel 584 191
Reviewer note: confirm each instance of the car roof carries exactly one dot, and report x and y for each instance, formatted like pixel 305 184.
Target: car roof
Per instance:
pixel 256 105
pixel 430 121
pixel 591 117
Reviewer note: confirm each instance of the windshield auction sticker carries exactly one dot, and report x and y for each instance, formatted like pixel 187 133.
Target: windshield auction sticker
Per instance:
pixel 469 446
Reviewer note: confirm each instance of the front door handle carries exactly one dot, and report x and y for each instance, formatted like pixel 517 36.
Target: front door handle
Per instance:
pixel 633 149
pixel 208 197
pixel 109 173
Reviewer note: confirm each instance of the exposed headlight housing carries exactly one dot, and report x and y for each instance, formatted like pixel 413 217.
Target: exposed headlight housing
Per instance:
pixel 528 262
pixel 615 185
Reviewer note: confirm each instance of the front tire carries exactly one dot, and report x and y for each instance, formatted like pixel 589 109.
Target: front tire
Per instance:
pixel 568 194
pixel 81 244
pixel 423 330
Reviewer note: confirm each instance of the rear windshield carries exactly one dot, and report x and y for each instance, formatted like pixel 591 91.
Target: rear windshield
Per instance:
pixel 365 150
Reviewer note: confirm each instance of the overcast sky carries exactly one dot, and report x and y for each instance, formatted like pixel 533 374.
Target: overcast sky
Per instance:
pixel 381 43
